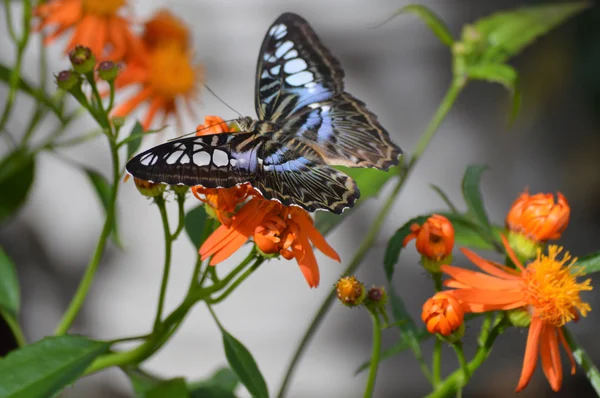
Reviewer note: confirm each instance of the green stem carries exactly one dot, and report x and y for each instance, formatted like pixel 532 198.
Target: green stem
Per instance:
pixel 111 101
pixel 375 353
pixel 584 360
pixel 103 114
pixel 453 91
pixel 456 379
pixel 15 328
pixel 237 282
pixel 460 355
pixel 88 277
pixel 160 202
pixel 181 223
pixel 436 362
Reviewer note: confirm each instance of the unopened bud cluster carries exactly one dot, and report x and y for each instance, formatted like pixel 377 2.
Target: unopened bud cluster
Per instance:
pixel 83 62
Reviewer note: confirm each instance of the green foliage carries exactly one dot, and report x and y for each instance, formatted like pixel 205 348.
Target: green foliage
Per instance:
pixel 244 366
pixel 9 289
pixel 437 26
pixel 195 221
pixel 394 247
pixel 221 384
pixel 134 139
pixel 174 388
pixel 590 263
pixel 44 368
pixel 17 172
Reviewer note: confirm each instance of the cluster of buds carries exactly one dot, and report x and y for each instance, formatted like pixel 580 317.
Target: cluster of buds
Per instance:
pixel 83 62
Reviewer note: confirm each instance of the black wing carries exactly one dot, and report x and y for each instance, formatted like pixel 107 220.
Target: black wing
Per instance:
pixel 218 160
pixel 294 69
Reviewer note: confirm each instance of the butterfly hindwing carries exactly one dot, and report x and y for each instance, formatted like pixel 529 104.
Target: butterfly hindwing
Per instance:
pixel 218 160
pixel 294 69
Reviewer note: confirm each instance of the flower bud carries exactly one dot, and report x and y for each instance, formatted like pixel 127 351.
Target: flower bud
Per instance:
pixel 434 241
pixel 350 291
pixel 444 316
pixel 68 80
pixel 519 317
pixel 148 188
pixel 108 70
pixel 180 190
pixel 118 121
pixel 82 59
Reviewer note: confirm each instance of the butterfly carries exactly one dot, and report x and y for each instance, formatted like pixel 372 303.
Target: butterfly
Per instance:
pixel 306 124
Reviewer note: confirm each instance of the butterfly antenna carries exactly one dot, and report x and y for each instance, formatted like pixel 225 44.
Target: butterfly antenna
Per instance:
pixel 219 98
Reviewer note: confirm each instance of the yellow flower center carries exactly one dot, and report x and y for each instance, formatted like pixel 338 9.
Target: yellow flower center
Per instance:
pixel 103 8
pixel 171 73
pixel 552 288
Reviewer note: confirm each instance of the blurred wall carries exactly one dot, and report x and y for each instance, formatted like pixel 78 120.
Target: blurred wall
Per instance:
pixel 401 71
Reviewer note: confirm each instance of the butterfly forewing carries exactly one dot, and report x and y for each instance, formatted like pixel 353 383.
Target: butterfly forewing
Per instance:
pixel 294 69
pixel 211 160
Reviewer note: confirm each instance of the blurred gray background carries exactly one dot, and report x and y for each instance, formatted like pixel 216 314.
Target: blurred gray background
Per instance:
pixel 401 71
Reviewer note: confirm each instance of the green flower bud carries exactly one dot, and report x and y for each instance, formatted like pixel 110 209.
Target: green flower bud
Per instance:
pixel 118 121
pixel 148 188
pixel 180 190
pixel 82 59
pixel 108 70
pixel 68 80
pixel 519 317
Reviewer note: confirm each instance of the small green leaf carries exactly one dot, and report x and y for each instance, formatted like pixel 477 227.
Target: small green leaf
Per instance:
pixel 437 26
pixel 9 285
pixel 174 388
pixel 394 247
pixel 590 263
pixel 221 384
pixel 468 233
pixel 369 181
pixel 472 194
pixel 195 221
pixel 583 360
pixel 141 380
pixel 244 366
pixel 502 74
pixel 36 93
pixel 404 323
pixel 44 368
pixel 136 139
pixel 17 171
pixel 507 33
pixel 103 189
pixel 445 198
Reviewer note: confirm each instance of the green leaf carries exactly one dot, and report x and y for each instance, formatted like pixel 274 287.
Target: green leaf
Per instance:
pixel 468 233
pixel 141 380
pixel 369 181
pixel 507 33
pixel 221 384
pixel 9 285
pixel 445 198
pixel 394 247
pixel 472 194
pixel 44 368
pixel 244 366
pixel 590 263
pixel 17 171
pixel 583 359
pixel 195 220
pixel 437 26
pixel 404 323
pixel 136 139
pixel 103 189
pixel 174 388
pixel 36 93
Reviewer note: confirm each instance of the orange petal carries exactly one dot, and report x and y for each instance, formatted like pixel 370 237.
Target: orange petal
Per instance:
pixel 549 339
pixel 125 108
pixel 562 339
pixel 511 253
pixel 306 260
pixel 493 299
pixel 155 106
pixel 307 226
pixel 531 352
pixel 487 266
pixel 478 279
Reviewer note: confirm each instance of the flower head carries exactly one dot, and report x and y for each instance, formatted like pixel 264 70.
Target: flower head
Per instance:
pixel 442 314
pixel 276 229
pixel 96 23
pixel 434 240
pixel 166 74
pixel 540 217
pixel 350 291
pixel 164 28
pixel 547 288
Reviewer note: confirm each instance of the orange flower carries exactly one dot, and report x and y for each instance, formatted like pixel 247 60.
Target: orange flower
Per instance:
pixel 276 229
pixel 166 75
pixel 350 291
pixel 546 288
pixel 539 217
pixel 97 26
pixel 435 240
pixel 442 314
pixel 164 28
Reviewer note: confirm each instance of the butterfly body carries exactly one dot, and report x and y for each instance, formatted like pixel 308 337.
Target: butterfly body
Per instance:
pixel 306 124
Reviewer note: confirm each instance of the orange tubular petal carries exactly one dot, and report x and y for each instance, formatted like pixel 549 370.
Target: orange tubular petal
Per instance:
pixel 487 266
pixel 125 108
pixel 496 299
pixel 478 279
pixel 306 260
pixel 155 106
pixel 531 353
pixel 511 253
pixel 315 236
pixel 555 356
pixel 562 339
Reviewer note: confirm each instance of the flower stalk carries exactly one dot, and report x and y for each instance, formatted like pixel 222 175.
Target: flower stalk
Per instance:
pixel 375 353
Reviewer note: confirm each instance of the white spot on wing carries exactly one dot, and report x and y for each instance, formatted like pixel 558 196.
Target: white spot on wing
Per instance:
pixel 233 162
pixel 291 54
pixel 283 48
pixel 220 158
pixel 278 31
pixel 173 157
pixel 214 140
pixel 146 159
pixel 300 79
pixel 294 66
pixel 201 158
pixel 275 70
pixel 154 160
pixel 185 159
